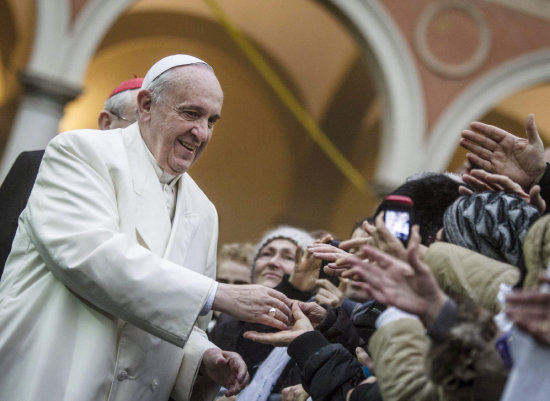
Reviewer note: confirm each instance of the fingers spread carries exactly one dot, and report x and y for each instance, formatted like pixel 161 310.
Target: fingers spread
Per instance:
pixel 531 130
pixel 488 132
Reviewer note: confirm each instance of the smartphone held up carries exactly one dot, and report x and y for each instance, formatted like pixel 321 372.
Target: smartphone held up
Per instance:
pixel 398 215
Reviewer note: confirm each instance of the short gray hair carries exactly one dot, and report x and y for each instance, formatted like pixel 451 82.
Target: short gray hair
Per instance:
pixel 118 103
pixel 164 80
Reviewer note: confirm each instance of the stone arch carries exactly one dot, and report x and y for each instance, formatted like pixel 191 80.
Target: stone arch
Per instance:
pixel 62 51
pixel 398 81
pixel 478 99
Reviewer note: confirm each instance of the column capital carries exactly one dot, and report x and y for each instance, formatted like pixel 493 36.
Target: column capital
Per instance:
pixel 46 87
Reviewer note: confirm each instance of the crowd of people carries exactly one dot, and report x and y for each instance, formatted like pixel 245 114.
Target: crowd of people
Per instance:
pixel 111 291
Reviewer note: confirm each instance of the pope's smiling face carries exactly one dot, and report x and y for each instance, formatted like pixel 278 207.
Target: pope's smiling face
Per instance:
pixel 178 125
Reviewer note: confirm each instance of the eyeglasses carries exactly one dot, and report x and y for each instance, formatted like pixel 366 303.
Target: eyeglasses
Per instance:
pixel 121 118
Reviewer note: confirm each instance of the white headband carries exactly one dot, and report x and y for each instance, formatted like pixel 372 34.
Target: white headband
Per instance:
pixel 167 63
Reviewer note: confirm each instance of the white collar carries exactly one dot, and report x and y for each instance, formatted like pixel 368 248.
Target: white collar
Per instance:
pixel 164 177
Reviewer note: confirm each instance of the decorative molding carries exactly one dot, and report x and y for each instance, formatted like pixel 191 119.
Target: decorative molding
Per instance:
pixel 478 99
pixel 447 70
pixel 398 83
pixel 59 92
pixel 536 8
pixel 62 50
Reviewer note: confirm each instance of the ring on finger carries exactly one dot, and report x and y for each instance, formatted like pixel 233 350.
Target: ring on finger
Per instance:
pixel 272 311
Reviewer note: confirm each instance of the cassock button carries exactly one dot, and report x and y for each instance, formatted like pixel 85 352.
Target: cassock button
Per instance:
pixel 122 375
pixel 154 384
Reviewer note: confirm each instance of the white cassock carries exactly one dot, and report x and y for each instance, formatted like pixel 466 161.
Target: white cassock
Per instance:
pixel 101 294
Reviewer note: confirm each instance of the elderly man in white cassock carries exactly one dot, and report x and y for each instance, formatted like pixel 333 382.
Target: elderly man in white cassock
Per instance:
pixel 110 281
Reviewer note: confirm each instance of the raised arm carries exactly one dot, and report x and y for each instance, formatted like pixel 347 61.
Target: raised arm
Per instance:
pixel 500 152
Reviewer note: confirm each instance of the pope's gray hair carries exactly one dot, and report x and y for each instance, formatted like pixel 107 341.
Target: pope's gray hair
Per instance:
pixel 165 80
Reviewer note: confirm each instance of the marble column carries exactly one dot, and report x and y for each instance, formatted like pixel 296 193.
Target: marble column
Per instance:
pixel 38 116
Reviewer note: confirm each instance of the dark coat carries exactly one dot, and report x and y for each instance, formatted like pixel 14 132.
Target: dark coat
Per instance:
pixel 14 193
pixel 329 371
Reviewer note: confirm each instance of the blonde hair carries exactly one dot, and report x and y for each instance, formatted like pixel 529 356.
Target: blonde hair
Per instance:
pixel 237 252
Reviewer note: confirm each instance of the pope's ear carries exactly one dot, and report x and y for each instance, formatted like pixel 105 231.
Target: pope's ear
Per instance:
pixel 104 120
pixel 144 102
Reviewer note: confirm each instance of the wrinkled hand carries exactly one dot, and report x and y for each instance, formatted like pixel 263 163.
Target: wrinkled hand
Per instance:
pixel 226 369
pixel 284 337
pixel 409 286
pixel 500 152
pixel 530 310
pixel 314 312
pixel 294 393
pixel 251 303
pixel 481 180
pixel 328 293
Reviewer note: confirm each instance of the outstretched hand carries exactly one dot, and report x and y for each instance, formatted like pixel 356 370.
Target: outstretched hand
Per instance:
pixel 328 294
pixel 409 286
pixel 285 337
pixel 500 152
pixel 481 181
pixel 353 245
pixel 252 303
pixel 314 312
pixel 306 270
pixel 226 369
pixel 327 253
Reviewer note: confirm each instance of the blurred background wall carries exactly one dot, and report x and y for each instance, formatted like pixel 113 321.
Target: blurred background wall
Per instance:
pixel 390 83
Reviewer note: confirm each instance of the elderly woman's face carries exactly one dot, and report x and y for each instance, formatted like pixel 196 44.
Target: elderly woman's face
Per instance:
pixel 178 128
pixel 276 259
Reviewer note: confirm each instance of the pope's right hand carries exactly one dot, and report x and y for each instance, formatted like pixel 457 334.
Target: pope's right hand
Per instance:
pixel 253 303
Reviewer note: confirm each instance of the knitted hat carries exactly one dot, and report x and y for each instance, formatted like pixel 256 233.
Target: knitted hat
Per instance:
pixel 296 235
pixel 167 63
pixel 134 83
pixel 491 223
